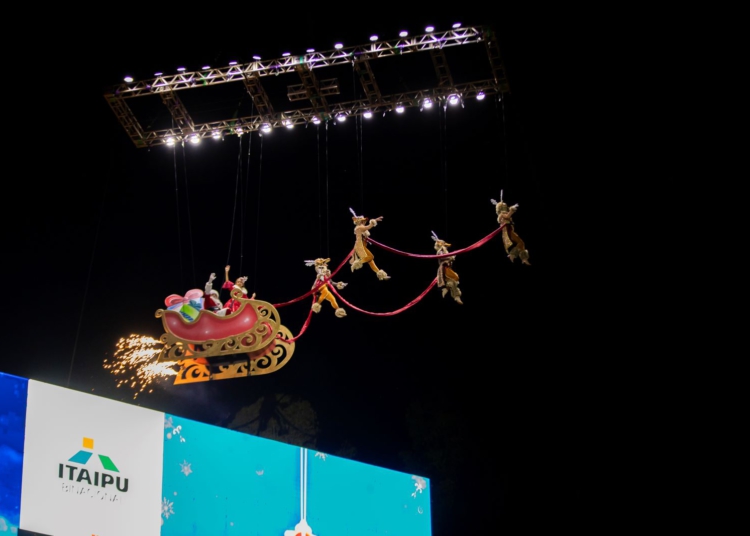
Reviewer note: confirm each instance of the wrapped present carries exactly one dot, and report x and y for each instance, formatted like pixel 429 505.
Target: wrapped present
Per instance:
pixel 188 306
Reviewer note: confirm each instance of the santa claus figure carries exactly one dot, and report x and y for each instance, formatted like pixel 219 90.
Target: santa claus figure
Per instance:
pixel 211 299
pixel 231 304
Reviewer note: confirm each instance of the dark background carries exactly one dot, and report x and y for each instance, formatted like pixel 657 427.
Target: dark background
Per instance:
pixel 491 400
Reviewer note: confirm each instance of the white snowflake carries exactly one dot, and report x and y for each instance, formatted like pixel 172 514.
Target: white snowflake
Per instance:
pixel 168 423
pixel 320 455
pixel 185 468
pixel 166 508
pixel 419 483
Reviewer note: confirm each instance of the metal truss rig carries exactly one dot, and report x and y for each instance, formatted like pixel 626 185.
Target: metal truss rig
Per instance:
pixel 310 89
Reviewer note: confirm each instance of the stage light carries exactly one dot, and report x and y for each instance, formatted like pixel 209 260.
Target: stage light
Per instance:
pixel 284 54
pixel 453 99
pixel 288 123
pixel 480 95
pixel 194 139
pixel 403 33
pixel 206 67
pixel 239 131
pixel 232 63
pixel 429 29
pixel 128 79
pixel 256 57
pixel 170 141
pixel 316 120
pixel 427 103
pixel 310 50
pixel 399 109
pixel 341 117
pixel 373 37
pixel 367 114
pixel 181 69
pixel 216 135
pixel 456 25
pixel 158 73
pixel 265 127
pixel 338 46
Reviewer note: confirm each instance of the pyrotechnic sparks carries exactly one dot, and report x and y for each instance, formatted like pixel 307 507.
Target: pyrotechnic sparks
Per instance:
pixel 135 363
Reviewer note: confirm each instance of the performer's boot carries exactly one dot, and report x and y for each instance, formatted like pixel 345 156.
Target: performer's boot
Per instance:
pixel 316 307
pixel 340 313
pixel 445 291
pixel 524 256
pixel 382 275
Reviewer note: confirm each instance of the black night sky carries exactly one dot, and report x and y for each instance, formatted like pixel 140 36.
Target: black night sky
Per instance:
pixel 487 399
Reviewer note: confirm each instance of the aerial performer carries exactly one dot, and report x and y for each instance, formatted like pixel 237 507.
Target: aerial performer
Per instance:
pixel 514 246
pixel 322 273
pixel 447 279
pixel 361 254
pixel 211 299
pixel 231 303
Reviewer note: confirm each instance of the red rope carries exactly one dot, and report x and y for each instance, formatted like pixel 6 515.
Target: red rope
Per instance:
pixel 304 327
pixel 316 287
pixel 481 242
pixel 404 308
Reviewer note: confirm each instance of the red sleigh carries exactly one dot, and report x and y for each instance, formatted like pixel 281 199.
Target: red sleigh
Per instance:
pixel 250 341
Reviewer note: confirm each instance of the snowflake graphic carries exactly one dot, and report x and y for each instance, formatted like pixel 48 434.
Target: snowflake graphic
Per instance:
pixel 419 483
pixel 166 508
pixel 185 468
pixel 168 423
pixel 320 455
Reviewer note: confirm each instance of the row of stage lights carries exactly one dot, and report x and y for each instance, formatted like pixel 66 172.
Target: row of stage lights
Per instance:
pixel 265 128
pixel 429 29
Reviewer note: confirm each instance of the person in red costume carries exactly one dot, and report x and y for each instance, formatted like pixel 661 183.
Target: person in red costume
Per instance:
pixel 211 299
pixel 231 304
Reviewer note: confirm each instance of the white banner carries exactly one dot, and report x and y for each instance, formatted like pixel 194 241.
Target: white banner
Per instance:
pixel 92 466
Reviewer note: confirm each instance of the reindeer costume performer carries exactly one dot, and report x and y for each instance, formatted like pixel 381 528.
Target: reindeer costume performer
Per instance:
pixel 361 254
pixel 322 271
pixel 514 246
pixel 447 279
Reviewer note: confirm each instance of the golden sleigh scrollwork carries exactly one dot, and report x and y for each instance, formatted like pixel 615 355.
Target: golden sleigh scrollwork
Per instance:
pixel 250 341
pixel 268 360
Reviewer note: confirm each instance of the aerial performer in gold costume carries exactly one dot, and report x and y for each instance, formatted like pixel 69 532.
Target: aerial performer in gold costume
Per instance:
pixel 514 245
pixel 361 254
pixel 447 279
pixel 322 273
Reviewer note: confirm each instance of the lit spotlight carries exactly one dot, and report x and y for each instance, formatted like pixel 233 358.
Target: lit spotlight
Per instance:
pixel 288 123
pixel 453 99
pixel 285 54
pixel 159 73
pixel 429 29
pixel 128 79
pixel 181 69
pixel 316 120
pixel 239 131
pixel 170 141
pixel 367 114
pixel 480 95
pixel 403 33
pixel 456 25
pixel 399 109
pixel 265 127
pixel 206 67
pixel 194 139
pixel 338 46
pixel 256 57
pixel 216 135
pixel 232 63
pixel 373 37
pixel 427 103
pixel 341 117
pixel 310 50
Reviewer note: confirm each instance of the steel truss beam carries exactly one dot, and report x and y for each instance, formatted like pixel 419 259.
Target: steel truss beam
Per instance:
pixel 311 89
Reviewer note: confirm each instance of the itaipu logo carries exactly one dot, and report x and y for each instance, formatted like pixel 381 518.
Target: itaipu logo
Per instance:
pixel 80 471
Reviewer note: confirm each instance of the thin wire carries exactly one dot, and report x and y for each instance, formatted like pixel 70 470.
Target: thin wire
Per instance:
pixel 443 119
pixel 257 214
pixel 91 267
pixel 320 199
pixel 187 202
pixel 177 202
pixel 234 208
pixel 505 140
pixel 360 158
pixel 328 210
